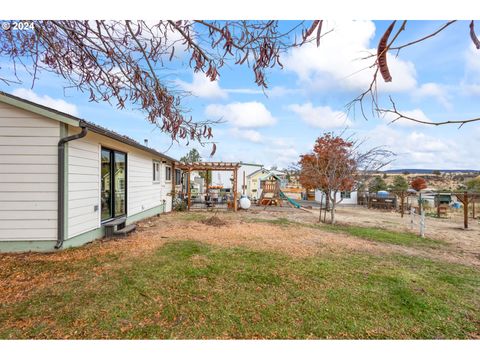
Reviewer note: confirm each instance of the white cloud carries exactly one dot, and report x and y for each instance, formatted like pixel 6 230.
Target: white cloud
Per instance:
pixel 434 90
pixel 320 116
pixel 247 134
pixel 424 149
pixel 201 86
pixel 337 62
pixel 57 104
pixel 276 91
pixel 471 84
pixel 242 114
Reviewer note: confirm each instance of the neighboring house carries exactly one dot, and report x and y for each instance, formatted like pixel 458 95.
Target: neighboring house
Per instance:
pixel 346 197
pixel 255 179
pixel 224 178
pixel 61 196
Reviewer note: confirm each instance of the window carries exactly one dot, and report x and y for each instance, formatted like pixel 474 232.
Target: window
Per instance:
pixel 345 195
pixel 168 173
pixel 113 184
pixel 156 171
pixel 178 177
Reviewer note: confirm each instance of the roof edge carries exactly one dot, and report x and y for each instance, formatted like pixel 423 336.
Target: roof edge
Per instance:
pixel 65 118
pixel 38 109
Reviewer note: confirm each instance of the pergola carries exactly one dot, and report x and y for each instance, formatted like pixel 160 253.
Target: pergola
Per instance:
pixel 210 166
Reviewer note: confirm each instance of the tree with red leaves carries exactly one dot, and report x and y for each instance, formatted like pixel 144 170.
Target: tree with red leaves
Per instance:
pixel 418 184
pixel 337 164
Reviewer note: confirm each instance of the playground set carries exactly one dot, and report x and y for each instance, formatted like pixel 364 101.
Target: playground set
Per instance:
pixel 217 197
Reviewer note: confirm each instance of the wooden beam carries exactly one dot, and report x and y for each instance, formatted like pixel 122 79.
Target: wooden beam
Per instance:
pixel 235 189
pixel 188 190
pixel 465 211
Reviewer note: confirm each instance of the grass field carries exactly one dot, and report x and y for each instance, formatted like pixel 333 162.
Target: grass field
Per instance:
pixel 368 233
pixel 187 289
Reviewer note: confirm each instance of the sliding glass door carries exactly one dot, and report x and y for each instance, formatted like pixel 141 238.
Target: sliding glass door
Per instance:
pixel 113 184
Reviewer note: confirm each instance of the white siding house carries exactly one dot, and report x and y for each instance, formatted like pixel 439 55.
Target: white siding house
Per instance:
pixel 28 175
pixel 346 197
pixel 132 182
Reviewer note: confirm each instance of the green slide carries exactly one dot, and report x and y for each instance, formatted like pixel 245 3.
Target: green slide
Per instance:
pixel 293 202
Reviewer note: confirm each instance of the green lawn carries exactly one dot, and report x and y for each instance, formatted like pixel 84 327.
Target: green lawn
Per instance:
pixel 187 289
pixel 368 233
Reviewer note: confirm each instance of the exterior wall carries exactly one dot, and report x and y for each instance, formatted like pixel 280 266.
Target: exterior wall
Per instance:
pixel 28 176
pixel 253 183
pixel 28 182
pixel 223 177
pixel 143 194
pixel 351 201
pixel 82 185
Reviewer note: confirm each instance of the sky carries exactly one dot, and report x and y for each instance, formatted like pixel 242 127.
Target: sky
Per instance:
pixel 436 80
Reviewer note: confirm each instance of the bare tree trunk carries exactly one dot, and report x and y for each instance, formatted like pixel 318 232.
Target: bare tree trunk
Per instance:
pixel 320 212
pixel 332 210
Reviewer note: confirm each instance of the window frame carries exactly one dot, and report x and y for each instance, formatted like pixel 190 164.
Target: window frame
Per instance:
pixel 178 177
pixel 157 172
pixel 168 171
pixel 112 183
pixel 343 195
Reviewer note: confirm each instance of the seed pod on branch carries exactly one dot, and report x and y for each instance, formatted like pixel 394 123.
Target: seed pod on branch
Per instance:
pixel 310 30
pixel 214 149
pixel 474 36
pixel 382 54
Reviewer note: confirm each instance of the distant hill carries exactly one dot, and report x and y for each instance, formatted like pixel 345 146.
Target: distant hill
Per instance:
pixel 430 171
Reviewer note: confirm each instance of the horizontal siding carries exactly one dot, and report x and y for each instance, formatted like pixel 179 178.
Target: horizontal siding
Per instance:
pixel 27 149
pixel 21 178
pixel 27 234
pixel 27 205
pixel 33 196
pixel 28 175
pixel 143 193
pixel 83 185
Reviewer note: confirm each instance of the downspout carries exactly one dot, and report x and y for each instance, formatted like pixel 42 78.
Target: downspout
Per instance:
pixel 61 184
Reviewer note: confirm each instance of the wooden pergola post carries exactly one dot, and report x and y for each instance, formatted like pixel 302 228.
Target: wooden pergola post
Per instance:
pixel 235 174
pixel 464 200
pixel 188 190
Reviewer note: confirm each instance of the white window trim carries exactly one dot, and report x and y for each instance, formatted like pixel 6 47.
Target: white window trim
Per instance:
pixel 168 181
pixel 158 178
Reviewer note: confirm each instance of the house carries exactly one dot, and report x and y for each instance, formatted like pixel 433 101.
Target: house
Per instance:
pixel 255 179
pixel 342 197
pixel 63 178
pixel 225 178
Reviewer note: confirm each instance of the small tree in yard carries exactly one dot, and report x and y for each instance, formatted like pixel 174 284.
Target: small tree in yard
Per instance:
pixel 418 184
pixel 400 186
pixel 338 164
pixel 194 156
pixel 399 183
pixel 377 184
pixel 473 185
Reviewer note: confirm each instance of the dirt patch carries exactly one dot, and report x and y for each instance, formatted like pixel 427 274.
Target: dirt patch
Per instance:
pixel 214 221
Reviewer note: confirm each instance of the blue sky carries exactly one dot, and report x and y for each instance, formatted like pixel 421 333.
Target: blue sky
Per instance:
pixel 437 80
